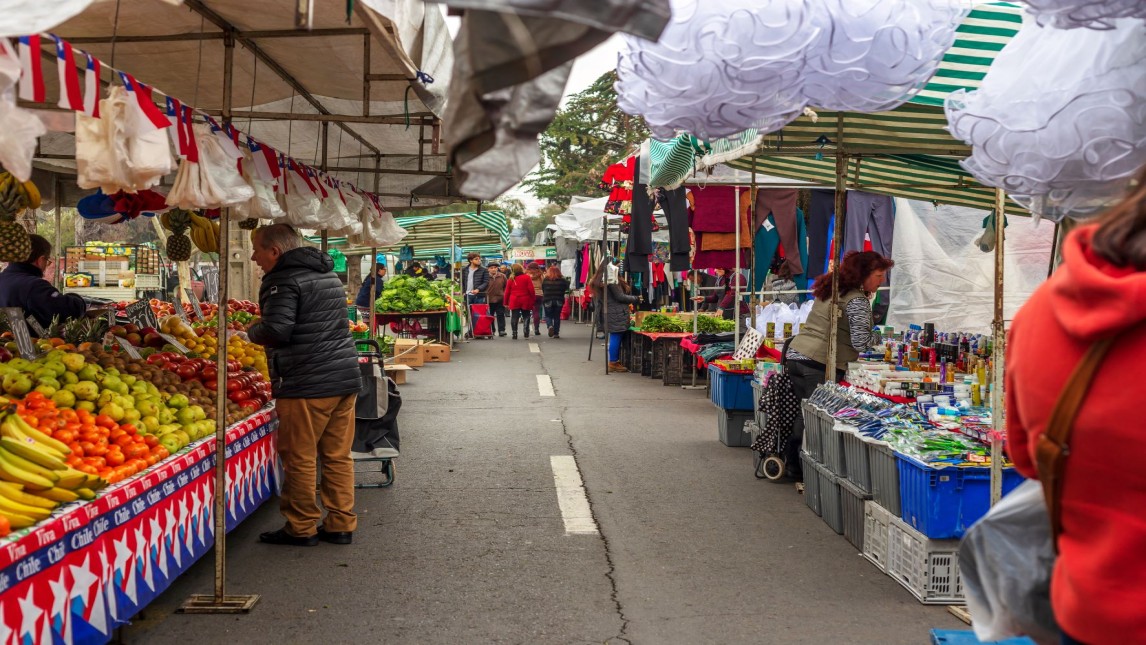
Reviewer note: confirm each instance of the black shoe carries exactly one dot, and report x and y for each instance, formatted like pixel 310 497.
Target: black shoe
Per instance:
pixel 335 537
pixel 537 330
pixel 527 333
pixel 515 335
pixel 551 332
pixel 282 538
pixel 556 335
pixel 502 334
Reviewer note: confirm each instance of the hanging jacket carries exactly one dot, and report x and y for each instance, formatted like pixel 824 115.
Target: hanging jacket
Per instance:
pixel 519 293
pixel 23 285
pixel 1097 590
pixel 304 328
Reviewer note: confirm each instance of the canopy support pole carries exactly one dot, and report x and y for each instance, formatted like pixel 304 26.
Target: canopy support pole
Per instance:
pixel 324 165
pixel 997 353
pixel 604 291
pixel 695 330
pixel 220 602
pixel 736 275
pixel 836 256
pixel 451 256
pixel 57 197
pixel 373 313
pixel 752 302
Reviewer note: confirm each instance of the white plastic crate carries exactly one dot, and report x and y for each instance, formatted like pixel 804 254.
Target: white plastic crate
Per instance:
pixel 876 529
pixel 929 569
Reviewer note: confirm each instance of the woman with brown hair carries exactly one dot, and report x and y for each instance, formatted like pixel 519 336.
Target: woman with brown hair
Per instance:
pixel 860 274
pixel 1098 293
pixel 519 299
pixel 620 297
pixel 553 289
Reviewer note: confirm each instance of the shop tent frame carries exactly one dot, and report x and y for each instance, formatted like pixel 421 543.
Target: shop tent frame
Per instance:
pixel 389 87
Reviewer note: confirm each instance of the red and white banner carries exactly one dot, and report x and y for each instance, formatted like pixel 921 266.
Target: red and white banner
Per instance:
pixel 31 71
pixel 91 87
pixel 69 77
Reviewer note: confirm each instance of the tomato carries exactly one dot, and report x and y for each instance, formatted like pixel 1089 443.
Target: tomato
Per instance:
pixel 115 458
pixel 68 414
pixel 85 448
pixel 210 372
pixel 139 461
pixel 150 440
pixel 97 462
pixel 129 429
pixel 233 385
pixel 115 433
pixel 187 372
pixel 73 461
pixel 151 460
pixel 105 421
pixel 161 452
pixel 88 468
pixel 124 440
pixel 66 436
pixel 249 404
pixel 211 384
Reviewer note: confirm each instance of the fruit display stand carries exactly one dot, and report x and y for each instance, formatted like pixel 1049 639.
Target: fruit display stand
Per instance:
pixel 93 565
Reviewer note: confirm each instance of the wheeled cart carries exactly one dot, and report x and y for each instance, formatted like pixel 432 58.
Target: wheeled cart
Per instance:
pixel 376 436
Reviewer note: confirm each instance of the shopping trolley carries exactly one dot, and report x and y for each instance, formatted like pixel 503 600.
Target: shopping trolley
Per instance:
pixel 376 436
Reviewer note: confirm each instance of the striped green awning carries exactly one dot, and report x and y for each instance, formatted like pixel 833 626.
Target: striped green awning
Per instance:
pixel 906 152
pixel 444 251
pixel 467 230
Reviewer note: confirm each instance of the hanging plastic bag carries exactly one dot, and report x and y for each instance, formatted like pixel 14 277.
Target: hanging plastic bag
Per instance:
pixel 21 128
pixel 97 164
pixel 354 205
pixel 146 150
pixel 212 182
pixel 264 205
pixel 302 202
pixel 1006 560
pixel 335 216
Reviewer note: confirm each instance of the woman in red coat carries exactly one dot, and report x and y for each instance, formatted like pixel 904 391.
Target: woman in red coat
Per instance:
pixel 1099 586
pixel 520 299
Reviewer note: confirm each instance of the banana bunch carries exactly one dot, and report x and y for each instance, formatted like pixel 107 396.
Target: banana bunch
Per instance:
pixel 16 195
pixel 205 233
pixel 34 478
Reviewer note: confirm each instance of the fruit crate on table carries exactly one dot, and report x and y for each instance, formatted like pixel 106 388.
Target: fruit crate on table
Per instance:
pixel 147 282
pixel 928 568
pixel 731 427
pixel 943 503
pixel 811 482
pixel 829 486
pixel 730 390
pixel 852 502
pixel 876 532
pixel 832 445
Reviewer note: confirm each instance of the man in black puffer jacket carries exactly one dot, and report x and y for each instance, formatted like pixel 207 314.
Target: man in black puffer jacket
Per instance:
pixel 314 377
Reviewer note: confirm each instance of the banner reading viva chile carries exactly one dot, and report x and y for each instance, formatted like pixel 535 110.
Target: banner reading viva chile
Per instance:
pixel 90 568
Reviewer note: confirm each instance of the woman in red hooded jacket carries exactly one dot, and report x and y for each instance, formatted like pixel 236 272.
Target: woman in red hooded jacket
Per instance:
pixel 1099 586
pixel 520 299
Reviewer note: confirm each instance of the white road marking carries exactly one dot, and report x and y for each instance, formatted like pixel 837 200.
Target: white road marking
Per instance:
pixel 534 348
pixel 575 511
pixel 545 385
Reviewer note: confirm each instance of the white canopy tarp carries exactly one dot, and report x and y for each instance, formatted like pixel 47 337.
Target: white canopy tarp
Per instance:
pixel 941 276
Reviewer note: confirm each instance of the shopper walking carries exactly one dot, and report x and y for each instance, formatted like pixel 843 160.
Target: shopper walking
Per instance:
pixel 520 298
pixel 1098 293
pixel 537 274
pixel 553 289
pixel 861 273
pixel 495 296
pixel 616 310
pixel 474 279
pixel 315 381
pixel 363 300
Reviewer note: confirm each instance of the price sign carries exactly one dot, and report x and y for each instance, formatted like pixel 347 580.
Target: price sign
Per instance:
pixel 182 313
pixel 141 314
pixel 37 327
pixel 127 347
pixel 171 340
pixel 19 328
pixel 194 303
pixel 110 314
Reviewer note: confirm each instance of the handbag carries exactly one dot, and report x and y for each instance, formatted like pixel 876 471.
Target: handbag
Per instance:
pixel 1007 558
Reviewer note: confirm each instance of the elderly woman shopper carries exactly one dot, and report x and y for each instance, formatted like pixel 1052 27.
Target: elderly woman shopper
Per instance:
pixel 860 274
pixel 616 309
pixel 1098 589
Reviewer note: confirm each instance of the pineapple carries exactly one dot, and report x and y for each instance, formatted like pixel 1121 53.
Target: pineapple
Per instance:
pixel 249 224
pixel 15 245
pixel 81 330
pixel 178 244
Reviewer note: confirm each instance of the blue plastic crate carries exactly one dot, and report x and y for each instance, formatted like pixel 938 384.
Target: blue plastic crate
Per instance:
pixel 967 637
pixel 730 391
pixel 943 503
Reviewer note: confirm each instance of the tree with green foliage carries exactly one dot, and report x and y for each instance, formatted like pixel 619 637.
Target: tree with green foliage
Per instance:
pixel 586 136
pixel 536 223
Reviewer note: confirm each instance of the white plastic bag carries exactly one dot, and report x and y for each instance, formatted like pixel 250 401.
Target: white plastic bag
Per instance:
pixel 264 204
pixel 212 182
pixel 302 203
pixel 21 128
pixel 121 150
pixel 1006 560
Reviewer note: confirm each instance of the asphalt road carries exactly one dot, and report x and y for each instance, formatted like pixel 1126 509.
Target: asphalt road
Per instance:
pixel 471 546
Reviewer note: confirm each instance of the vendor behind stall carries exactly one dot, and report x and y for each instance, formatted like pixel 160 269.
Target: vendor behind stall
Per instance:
pixel 861 273
pixel 22 285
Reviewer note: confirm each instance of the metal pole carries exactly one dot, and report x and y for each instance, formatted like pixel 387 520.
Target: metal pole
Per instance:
pixel 736 288
pixel 220 602
pixel 57 197
pixel 324 166
pixel 837 254
pixel 997 352
pixel 752 257
pixel 374 287
pixel 450 256
pixel 373 313
pixel 605 288
pixel 1056 243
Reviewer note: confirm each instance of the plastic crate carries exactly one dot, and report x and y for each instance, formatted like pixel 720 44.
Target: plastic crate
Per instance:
pixel 967 637
pixel 852 501
pixel 757 390
pixel 657 366
pixel 811 482
pixel 856 459
pixel 811 430
pixel 928 568
pixel 639 358
pixel 884 475
pixel 830 498
pixel 832 445
pixel 730 424
pixel 675 364
pixel 730 391
pixel 876 532
pixel 943 503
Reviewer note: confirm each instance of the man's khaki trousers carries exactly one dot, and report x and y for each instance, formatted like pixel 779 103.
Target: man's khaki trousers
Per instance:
pixel 309 430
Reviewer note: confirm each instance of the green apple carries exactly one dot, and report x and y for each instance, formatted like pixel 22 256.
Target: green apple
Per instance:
pixel 113 410
pixel 90 406
pixel 151 423
pixel 86 390
pixel 17 384
pixel 88 372
pixel 178 401
pixel 74 362
pixel 64 399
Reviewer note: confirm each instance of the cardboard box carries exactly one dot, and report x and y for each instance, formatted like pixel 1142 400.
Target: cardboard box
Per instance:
pixel 436 353
pixel 397 372
pixel 409 351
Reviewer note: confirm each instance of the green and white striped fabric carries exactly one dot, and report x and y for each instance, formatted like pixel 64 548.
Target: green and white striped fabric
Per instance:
pixel 905 152
pixel 466 229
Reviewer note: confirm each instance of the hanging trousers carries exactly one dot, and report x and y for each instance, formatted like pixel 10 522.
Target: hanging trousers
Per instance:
pixel 640 243
pixel 821 210
pixel 675 206
pixel 871 215
pixel 781 204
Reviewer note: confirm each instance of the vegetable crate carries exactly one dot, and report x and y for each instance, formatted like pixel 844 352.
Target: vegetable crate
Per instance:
pixel 944 502
pixel 811 482
pixel 729 390
pixel 928 568
pixel 876 532
pixel 731 427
